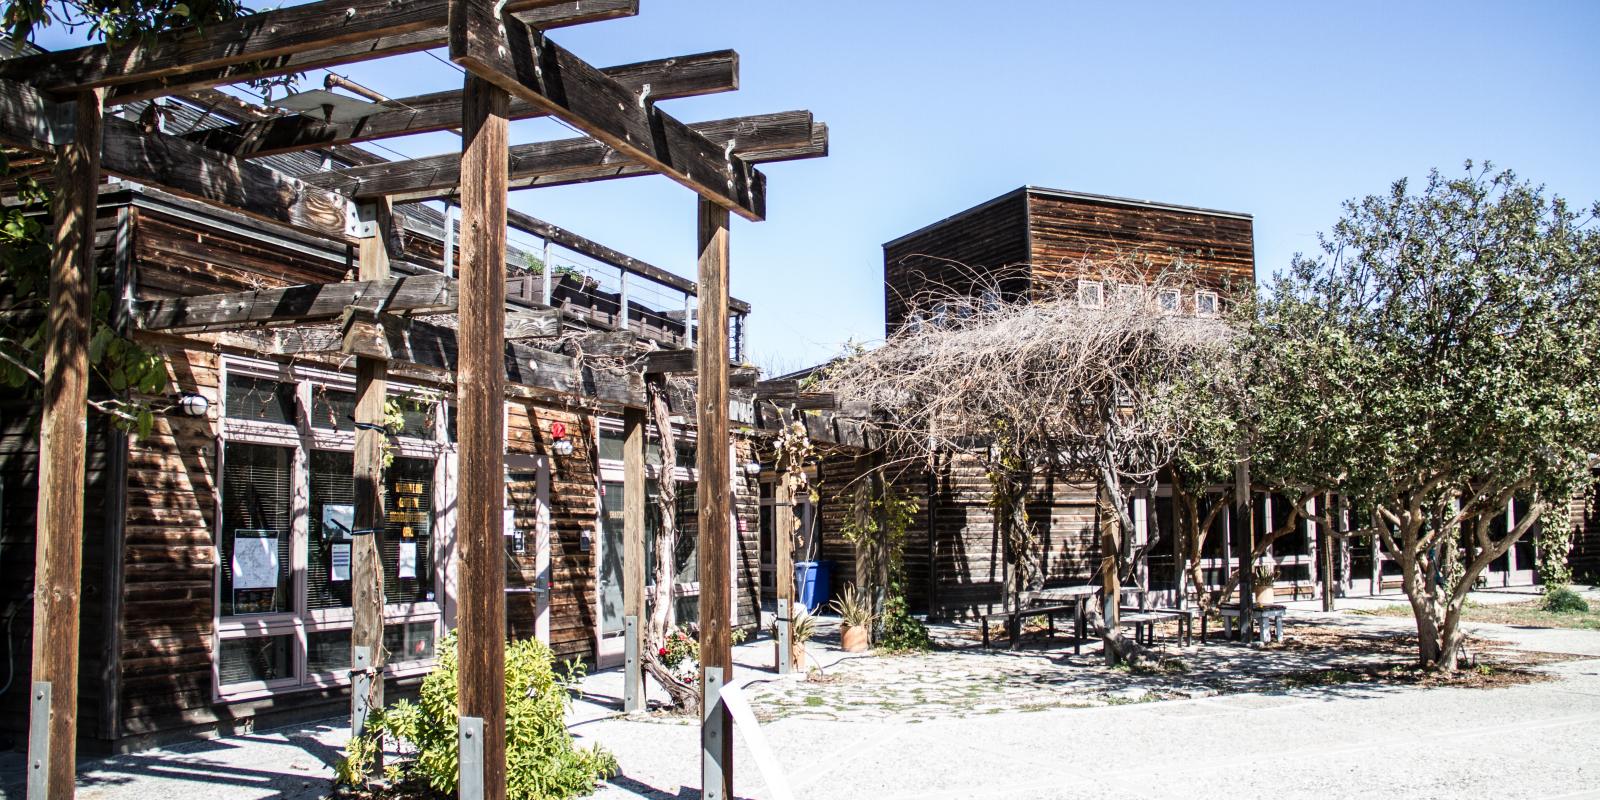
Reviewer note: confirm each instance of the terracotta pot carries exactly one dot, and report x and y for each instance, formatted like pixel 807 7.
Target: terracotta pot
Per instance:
pixel 1265 595
pixel 855 638
pixel 798 649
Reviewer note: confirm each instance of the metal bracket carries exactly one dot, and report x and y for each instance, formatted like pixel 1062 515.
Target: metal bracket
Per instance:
pixel 469 743
pixel 39 741
pixel 713 731
pixel 360 690
pixel 632 692
pixel 360 220
pixel 785 640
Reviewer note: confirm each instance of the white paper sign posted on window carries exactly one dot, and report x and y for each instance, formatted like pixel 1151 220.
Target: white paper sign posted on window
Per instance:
pixel 339 564
pixel 255 559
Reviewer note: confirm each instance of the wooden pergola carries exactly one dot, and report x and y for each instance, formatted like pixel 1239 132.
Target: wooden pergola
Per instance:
pixel 53 104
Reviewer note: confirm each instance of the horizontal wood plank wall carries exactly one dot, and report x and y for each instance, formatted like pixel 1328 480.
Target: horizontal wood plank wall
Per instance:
pixel 177 257
pixel 573 513
pixel 840 474
pixel 965 553
pixel 987 239
pixel 747 557
pixel 1065 230
pixel 169 557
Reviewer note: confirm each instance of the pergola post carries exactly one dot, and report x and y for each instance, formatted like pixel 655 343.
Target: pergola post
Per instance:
pixel 481 406
pixel 633 500
pixel 715 503
pixel 783 528
pixel 53 737
pixel 366 567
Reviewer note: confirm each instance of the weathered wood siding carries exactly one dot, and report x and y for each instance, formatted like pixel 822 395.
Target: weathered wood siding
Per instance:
pixel 945 257
pixel 574 511
pixel 1065 230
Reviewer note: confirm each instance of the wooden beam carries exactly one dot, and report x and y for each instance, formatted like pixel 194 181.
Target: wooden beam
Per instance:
pixel 523 61
pixel 311 302
pixel 633 572
pixel 366 567
pixel 257 40
pixel 715 498
pixel 666 78
pixel 563 161
pixel 560 15
pixel 783 528
pixel 481 619
pixel 58 560
pixel 605 255
pixel 185 168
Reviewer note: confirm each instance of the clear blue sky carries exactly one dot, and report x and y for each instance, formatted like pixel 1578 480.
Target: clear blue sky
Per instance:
pixel 1275 109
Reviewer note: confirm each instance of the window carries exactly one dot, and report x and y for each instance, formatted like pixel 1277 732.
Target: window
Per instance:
pixel 255 538
pixel 1205 304
pixel 286 533
pixel 1130 295
pixel 1089 294
pixel 1170 301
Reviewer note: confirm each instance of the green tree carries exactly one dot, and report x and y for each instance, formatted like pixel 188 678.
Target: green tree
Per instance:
pixel 1448 343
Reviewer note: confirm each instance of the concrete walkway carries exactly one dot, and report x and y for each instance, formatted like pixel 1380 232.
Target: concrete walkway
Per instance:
pixel 1344 741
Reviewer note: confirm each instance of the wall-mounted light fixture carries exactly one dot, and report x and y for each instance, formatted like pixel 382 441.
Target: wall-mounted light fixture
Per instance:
pixel 191 404
pixel 561 446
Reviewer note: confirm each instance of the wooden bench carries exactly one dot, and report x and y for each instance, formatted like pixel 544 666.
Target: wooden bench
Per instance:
pixel 1013 621
pixel 1147 617
pixel 1268 621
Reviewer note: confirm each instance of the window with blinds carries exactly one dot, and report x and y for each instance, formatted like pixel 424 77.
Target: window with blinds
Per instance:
pixel 407 547
pixel 332 409
pixel 255 534
pixel 257 659
pixel 260 399
pixel 333 497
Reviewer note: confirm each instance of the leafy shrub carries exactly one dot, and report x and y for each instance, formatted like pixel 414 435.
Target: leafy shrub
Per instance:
pixel 1561 600
pixel 542 763
pixel 901 631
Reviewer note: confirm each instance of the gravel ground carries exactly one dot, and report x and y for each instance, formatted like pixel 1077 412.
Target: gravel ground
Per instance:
pixel 1040 723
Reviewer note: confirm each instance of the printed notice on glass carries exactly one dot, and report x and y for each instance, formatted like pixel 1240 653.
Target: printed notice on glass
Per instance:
pixel 255 559
pixel 339 564
pixel 408 560
pixel 338 519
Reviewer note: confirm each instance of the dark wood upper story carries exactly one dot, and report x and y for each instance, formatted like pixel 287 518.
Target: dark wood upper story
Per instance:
pixel 1031 235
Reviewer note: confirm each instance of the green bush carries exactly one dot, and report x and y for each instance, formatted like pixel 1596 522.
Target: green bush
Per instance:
pixel 901 631
pixel 1561 600
pixel 542 763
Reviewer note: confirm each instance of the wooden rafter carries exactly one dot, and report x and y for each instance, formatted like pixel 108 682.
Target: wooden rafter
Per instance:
pixel 260 42
pixel 572 12
pixel 684 76
pixel 525 63
pixel 566 161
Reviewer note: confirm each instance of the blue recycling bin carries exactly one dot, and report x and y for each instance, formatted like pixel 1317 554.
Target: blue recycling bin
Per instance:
pixel 813 581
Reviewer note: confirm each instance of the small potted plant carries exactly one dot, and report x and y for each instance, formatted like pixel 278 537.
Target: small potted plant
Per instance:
pixel 1262 577
pixel 856 618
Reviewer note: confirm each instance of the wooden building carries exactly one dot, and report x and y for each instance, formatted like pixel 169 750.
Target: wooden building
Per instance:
pixel 217 573
pixel 1016 244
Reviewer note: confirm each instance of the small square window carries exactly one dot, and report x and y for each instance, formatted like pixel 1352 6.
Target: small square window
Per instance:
pixel 1205 304
pixel 1170 301
pixel 1130 295
pixel 1090 294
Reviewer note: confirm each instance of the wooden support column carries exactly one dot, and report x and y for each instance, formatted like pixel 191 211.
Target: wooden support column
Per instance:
pixel 59 559
pixel 366 567
pixel 1110 573
pixel 783 531
pixel 716 503
pixel 633 501
pixel 480 385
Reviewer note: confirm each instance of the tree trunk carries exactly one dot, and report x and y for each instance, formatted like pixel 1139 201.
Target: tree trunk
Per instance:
pixel 685 696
